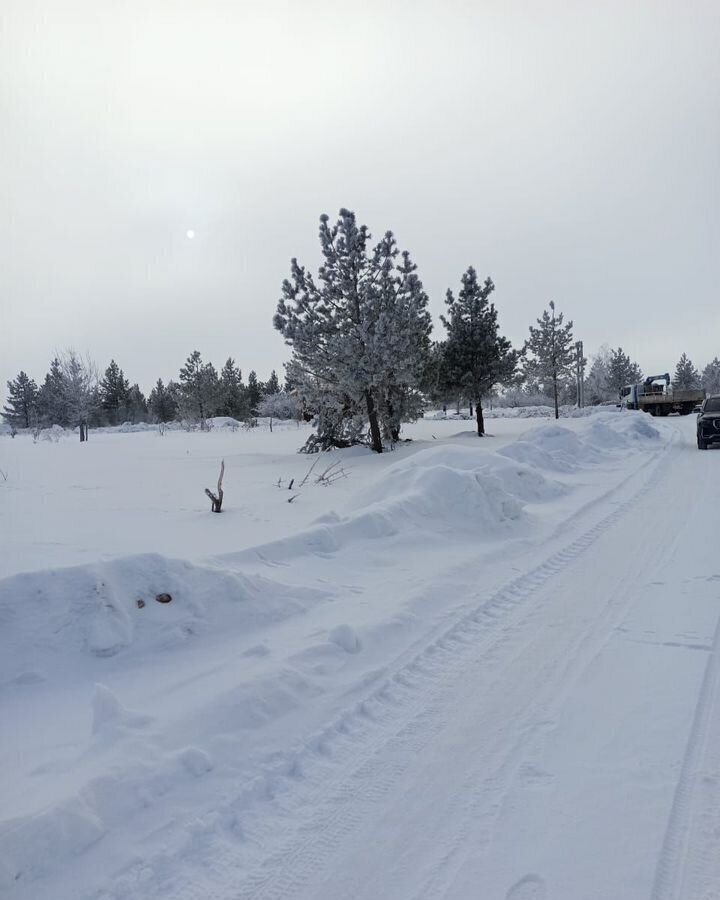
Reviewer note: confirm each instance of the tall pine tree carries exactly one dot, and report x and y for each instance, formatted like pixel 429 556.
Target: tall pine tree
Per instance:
pixel 360 335
pixel 114 393
pixel 80 390
pixel 254 393
pixel 162 405
pixel 136 406
pixel 233 394
pixel 272 385
pixel 52 407
pixel 687 376
pixel 622 371
pixel 551 352
pixel 22 402
pixel 199 389
pixel 711 377
pixel 476 356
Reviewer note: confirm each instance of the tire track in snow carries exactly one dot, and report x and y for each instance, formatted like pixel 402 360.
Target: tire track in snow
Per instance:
pixel 682 874
pixel 343 768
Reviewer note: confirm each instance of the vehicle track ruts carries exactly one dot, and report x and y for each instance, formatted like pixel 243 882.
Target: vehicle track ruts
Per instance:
pixel 346 757
pixel 689 862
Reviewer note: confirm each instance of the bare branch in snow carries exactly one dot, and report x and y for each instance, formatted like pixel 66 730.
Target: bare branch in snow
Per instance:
pixel 333 473
pixel 309 472
pixel 217 500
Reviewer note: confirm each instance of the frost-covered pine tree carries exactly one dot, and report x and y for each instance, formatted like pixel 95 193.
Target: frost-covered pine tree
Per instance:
pixel 687 376
pixel 597 383
pixel 476 356
pixel 401 343
pixel 278 406
pixel 550 352
pixel 114 393
pixel 711 377
pixel 360 335
pixel 622 371
pixel 199 389
pixel 162 405
pixel 233 393
pixel 21 410
pixel 80 390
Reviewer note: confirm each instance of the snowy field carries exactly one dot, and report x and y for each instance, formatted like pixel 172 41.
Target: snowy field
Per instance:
pixel 468 669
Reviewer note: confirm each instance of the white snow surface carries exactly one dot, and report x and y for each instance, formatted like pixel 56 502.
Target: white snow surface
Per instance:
pixel 469 668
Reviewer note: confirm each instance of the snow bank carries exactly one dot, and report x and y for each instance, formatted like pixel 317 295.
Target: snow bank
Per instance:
pixel 84 637
pixel 560 449
pixel 527 412
pixel 52 618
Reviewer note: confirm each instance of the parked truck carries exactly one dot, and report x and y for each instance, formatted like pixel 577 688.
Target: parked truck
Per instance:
pixel 656 396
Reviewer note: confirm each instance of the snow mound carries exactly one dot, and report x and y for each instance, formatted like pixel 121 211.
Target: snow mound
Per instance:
pixel 526 412
pixel 639 427
pixel 427 494
pixel 553 447
pixel 224 422
pixel 345 637
pixel 50 618
pixel 557 448
pixel 110 714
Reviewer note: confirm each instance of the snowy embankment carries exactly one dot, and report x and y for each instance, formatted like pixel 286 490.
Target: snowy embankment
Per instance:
pixel 147 734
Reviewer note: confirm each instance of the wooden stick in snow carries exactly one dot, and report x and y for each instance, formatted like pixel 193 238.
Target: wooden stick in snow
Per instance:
pixel 216 501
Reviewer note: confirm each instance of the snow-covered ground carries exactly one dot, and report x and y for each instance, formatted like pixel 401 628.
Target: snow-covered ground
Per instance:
pixel 468 669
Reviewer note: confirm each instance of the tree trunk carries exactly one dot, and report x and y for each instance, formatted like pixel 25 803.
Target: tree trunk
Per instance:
pixel 555 394
pixel 471 408
pixel 375 436
pixel 393 428
pixel 480 419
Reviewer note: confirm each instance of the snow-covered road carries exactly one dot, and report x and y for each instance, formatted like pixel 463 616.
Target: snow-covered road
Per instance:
pixel 538 719
pixel 562 742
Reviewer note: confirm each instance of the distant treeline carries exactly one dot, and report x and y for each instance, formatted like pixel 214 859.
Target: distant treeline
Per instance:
pixel 74 393
pixel 363 362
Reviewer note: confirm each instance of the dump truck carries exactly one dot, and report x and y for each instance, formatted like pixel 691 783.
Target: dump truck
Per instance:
pixel 656 396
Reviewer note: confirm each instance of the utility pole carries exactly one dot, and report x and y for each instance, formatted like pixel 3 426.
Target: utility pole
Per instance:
pixel 580 374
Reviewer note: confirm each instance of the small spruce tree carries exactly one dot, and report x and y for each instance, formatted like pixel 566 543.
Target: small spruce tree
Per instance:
pixel 272 385
pixel 687 376
pixel 162 405
pixel 199 389
pixel 711 377
pixel 22 402
pixel 114 391
pixel 476 356
pixel 137 407
pixel 254 393
pixel 52 407
pixel 622 371
pixel 551 352
pixel 233 393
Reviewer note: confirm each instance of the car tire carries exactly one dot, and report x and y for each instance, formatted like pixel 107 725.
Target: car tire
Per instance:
pixel 702 445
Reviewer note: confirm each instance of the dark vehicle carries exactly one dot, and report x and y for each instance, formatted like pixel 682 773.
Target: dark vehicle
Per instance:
pixel 708 423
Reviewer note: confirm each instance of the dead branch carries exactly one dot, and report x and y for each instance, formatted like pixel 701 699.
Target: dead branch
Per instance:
pixel 333 473
pixel 309 472
pixel 216 500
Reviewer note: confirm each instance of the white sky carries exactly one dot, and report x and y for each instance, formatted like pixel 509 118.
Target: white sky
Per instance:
pixel 571 150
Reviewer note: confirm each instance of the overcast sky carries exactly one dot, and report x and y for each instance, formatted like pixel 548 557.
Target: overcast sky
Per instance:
pixel 571 150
